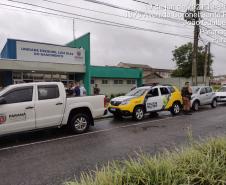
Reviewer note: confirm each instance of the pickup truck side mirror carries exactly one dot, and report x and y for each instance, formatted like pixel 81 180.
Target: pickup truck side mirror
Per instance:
pixel 2 101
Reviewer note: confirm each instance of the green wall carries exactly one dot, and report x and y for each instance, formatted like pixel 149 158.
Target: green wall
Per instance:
pixel 102 71
pixel 116 72
pixel 84 42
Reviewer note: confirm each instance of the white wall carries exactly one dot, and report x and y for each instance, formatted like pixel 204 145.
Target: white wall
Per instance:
pixel 112 88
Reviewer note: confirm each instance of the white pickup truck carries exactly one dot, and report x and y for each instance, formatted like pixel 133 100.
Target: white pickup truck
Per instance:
pixel 31 106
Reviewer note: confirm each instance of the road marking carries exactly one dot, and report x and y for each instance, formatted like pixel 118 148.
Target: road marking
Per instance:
pixel 88 133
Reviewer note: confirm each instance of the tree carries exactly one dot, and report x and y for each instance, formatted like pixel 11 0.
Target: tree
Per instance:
pixel 183 58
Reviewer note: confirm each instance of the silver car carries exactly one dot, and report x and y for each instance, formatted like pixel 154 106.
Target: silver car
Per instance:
pixel 203 95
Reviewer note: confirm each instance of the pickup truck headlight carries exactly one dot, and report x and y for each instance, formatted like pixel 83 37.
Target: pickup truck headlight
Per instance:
pixel 125 102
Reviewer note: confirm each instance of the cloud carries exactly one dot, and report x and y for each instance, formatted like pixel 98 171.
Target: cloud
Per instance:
pixel 109 45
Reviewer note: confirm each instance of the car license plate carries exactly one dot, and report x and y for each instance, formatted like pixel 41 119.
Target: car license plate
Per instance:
pixel 113 109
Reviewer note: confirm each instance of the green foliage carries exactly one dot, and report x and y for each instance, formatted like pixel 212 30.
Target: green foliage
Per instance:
pixel 182 56
pixel 199 164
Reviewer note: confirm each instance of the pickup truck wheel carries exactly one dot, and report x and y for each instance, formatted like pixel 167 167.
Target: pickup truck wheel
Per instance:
pixel 138 114
pixel 175 109
pixel 195 106
pixel 79 123
pixel 214 103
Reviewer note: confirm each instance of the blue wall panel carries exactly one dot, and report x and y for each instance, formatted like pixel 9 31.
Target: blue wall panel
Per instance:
pixel 7 78
pixel 9 50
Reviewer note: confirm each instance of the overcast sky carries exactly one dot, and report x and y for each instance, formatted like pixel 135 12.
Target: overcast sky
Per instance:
pixel 109 45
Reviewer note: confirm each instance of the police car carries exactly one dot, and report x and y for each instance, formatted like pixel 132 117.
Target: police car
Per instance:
pixel 147 99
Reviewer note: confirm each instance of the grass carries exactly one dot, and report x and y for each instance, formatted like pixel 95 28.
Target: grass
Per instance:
pixel 199 164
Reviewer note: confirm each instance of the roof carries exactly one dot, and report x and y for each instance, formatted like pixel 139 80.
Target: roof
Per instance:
pixel 142 66
pixel 115 72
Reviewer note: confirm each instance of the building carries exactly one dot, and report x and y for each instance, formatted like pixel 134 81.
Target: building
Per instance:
pixel 115 80
pixel 26 61
pixel 149 73
pixel 219 80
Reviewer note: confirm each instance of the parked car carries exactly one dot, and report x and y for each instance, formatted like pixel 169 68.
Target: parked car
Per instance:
pixel 147 99
pixel 40 105
pixel 203 95
pixel 221 94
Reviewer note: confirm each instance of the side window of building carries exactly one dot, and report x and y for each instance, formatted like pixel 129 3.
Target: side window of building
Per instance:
pixel 104 81
pixel 46 92
pixel 129 81
pixel 92 81
pixel 154 92
pixel 120 81
pixel 116 82
pixel 164 91
pixel 19 95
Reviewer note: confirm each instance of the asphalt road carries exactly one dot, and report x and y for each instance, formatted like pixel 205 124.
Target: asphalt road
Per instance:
pixel 52 157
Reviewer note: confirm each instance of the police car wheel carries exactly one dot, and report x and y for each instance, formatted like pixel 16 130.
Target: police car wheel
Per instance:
pixel 176 108
pixel 214 103
pixel 138 113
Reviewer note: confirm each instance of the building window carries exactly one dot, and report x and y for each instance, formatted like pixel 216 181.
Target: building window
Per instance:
pixel 104 81
pixel 131 82
pixel 118 81
pixel 92 81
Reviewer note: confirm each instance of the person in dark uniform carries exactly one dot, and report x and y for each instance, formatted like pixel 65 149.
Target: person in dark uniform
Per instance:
pixel 186 93
pixel 96 90
pixel 77 89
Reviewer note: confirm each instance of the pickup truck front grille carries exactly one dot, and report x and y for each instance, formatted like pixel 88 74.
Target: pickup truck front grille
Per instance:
pixel 115 103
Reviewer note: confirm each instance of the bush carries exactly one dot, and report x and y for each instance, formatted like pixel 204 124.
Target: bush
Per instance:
pixel 200 164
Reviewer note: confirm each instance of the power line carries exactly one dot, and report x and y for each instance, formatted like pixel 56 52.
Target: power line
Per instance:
pixel 128 9
pixel 109 23
pixel 30 4
pixel 116 15
pixel 158 6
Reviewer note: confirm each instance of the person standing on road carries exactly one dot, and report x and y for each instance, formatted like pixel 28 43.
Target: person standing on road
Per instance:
pixel 96 90
pixel 77 89
pixel 186 93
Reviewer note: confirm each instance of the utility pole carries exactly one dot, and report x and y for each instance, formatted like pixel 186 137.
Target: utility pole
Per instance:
pixel 196 43
pixel 205 64
pixel 74 30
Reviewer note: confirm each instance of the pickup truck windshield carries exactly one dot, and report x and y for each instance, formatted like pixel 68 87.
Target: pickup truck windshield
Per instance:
pixel 137 92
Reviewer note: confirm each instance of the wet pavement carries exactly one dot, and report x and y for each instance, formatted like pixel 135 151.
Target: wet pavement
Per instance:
pixel 53 156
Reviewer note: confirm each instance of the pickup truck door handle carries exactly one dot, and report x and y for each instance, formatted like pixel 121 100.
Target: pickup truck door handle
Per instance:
pixel 59 103
pixel 30 107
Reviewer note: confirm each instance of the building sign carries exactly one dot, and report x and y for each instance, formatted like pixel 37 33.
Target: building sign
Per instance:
pixel 28 51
